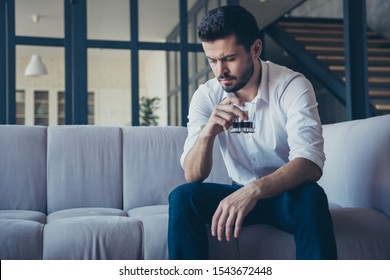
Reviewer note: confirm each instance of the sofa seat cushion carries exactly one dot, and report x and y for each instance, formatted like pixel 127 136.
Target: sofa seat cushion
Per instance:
pixel 361 233
pixel 154 221
pixel 255 242
pixel 21 234
pixel 23 215
pixel 104 236
pixel 20 237
pixel 84 212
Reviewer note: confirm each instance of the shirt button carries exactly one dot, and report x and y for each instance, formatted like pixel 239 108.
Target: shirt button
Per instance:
pixel 253 158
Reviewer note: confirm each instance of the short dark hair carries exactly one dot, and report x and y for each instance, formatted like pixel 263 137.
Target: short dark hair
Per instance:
pixel 229 20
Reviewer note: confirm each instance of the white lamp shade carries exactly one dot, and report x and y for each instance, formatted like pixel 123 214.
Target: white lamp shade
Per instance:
pixel 35 67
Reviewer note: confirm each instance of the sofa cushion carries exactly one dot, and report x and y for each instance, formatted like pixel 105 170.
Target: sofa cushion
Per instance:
pixel 93 237
pixel 20 239
pixel 150 173
pixel 84 167
pixel 154 221
pixel 23 215
pixel 84 212
pixel 361 233
pixel 151 167
pixel 23 168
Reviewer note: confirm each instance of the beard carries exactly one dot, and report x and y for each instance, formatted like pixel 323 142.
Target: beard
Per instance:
pixel 241 81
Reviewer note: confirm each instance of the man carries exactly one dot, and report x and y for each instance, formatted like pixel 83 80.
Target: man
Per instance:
pixel 274 170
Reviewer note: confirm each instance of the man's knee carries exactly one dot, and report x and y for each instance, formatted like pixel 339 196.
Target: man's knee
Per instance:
pixel 311 194
pixel 183 192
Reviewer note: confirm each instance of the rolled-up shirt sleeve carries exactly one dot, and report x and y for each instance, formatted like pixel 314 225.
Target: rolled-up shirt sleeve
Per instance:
pixel 303 124
pixel 199 113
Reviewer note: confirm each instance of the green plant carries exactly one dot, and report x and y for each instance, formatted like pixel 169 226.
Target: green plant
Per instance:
pixel 148 107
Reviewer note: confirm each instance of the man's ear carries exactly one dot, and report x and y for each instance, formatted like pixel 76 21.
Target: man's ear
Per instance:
pixel 257 48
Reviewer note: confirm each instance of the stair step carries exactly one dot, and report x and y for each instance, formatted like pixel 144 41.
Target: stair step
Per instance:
pixel 375 80
pixel 338 40
pixel 311 24
pixel 338 33
pixel 341 58
pixel 379 80
pixel 341 49
pixel 379 93
pixel 382 107
pixel 373 69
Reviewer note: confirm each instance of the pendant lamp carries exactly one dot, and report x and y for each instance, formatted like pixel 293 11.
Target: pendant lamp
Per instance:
pixel 35 67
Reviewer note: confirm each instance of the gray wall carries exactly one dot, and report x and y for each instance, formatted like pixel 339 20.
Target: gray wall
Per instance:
pixel 377 12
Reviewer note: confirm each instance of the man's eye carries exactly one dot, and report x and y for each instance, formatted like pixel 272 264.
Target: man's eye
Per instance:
pixel 211 61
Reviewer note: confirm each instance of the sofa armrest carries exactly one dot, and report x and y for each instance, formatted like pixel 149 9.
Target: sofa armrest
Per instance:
pixel 357 167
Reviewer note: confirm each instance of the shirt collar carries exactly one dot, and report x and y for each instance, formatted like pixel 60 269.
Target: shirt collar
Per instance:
pixel 262 92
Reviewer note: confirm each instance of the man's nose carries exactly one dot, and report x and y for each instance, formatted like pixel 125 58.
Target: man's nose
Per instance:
pixel 221 68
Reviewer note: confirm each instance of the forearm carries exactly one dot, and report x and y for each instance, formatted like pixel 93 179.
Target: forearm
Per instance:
pixel 199 160
pixel 287 177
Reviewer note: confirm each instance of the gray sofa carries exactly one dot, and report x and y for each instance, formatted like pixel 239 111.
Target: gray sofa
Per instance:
pixel 90 192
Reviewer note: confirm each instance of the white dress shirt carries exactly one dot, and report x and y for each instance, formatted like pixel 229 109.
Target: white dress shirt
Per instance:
pixel 287 125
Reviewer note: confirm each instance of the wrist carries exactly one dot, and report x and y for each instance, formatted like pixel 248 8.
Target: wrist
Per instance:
pixel 206 134
pixel 256 189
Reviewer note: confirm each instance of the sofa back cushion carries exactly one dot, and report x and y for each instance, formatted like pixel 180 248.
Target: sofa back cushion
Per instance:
pixel 357 166
pixel 84 167
pixel 151 164
pixel 23 168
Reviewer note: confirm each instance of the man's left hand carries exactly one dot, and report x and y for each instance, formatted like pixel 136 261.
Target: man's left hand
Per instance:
pixel 231 212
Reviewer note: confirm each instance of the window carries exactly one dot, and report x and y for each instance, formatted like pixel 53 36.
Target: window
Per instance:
pixel 101 58
pixel 198 69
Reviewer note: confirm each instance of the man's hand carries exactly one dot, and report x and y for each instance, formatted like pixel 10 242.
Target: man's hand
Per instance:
pixel 231 212
pixel 198 162
pixel 233 209
pixel 223 116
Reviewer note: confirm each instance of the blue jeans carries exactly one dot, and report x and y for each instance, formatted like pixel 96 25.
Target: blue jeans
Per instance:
pixel 302 211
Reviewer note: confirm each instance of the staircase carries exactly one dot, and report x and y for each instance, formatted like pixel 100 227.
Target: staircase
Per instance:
pixel 323 40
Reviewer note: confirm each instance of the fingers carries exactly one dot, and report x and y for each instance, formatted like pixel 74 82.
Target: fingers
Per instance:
pixel 215 221
pixel 238 224
pixel 229 226
pixel 228 110
pixel 220 225
pixel 223 223
pixel 224 115
pixel 232 100
pixel 229 216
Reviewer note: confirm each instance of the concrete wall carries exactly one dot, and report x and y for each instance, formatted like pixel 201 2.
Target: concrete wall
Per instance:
pixel 377 12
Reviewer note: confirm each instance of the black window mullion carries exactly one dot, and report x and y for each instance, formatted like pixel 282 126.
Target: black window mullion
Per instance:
pixel 11 71
pixel 183 61
pixel 355 51
pixel 79 62
pixel 68 63
pixel 3 63
pixel 134 62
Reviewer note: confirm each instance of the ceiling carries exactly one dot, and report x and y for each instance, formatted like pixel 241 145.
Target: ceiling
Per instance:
pixel 110 19
pixel 156 18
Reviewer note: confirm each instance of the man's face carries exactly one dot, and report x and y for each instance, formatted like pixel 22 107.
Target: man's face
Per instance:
pixel 231 63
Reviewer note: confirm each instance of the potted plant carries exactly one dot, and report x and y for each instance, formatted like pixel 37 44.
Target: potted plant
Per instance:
pixel 148 107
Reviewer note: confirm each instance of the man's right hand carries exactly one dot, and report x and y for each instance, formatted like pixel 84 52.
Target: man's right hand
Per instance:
pixel 223 116
pixel 198 162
